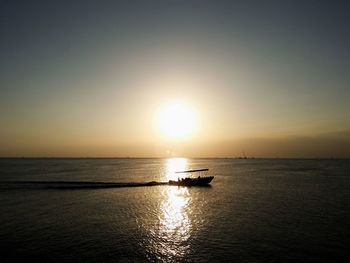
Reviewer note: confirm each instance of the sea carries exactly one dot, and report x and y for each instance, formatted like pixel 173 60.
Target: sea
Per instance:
pixel 255 210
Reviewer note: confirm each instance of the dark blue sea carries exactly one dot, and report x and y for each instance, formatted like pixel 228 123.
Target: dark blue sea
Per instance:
pixel 256 210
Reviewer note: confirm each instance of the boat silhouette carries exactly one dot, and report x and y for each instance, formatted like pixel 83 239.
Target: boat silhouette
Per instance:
pixel 192 181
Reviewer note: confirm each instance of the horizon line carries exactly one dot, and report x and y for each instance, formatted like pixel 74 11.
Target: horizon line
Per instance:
pixel 167 157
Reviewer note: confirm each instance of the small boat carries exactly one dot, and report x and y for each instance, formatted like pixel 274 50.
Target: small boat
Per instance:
pixel 192 181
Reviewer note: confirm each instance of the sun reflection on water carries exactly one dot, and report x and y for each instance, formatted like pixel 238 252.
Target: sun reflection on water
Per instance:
pixel 172 165
pixel 171 234
pixel 174 222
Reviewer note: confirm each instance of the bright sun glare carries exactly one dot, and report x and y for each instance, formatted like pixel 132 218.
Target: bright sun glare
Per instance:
pixel 176 120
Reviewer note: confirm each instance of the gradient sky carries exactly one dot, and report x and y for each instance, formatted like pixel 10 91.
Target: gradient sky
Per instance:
pixel 85 78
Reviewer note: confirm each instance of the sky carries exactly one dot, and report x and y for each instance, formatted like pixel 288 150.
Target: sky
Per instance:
pixel 88 78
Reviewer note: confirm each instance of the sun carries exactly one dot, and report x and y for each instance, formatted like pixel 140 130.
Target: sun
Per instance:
pixel 176 120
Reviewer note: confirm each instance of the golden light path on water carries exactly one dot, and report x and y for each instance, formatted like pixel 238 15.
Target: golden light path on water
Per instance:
pixel 174 223
pixel 173 165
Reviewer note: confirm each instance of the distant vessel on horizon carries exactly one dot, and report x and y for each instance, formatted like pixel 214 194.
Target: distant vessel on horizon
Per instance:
pixel 244 156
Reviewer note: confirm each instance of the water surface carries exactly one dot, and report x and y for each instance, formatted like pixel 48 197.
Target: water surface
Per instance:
pixel 255 211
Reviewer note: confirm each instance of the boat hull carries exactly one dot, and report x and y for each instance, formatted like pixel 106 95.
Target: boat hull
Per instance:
pixel 199 181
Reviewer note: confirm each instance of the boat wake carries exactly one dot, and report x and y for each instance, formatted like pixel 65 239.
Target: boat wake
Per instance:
pixel 72 184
